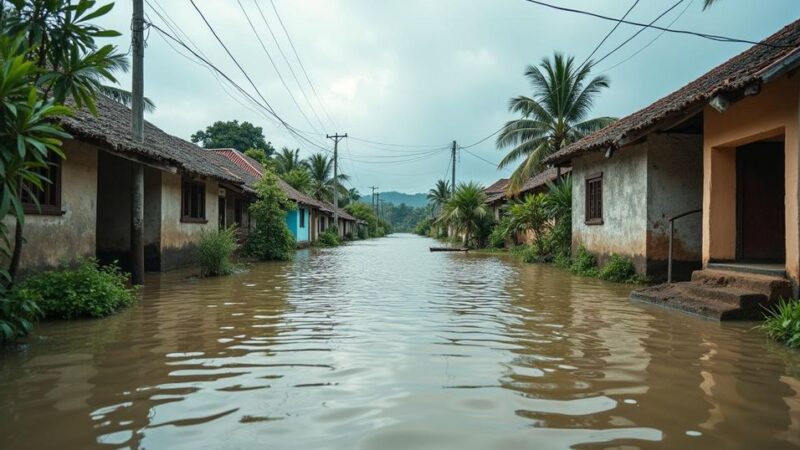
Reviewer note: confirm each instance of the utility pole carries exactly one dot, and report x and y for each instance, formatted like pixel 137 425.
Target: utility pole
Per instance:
pixel 378 205
pixel 453 155
pixel 373 198
pixel 137 131
pixel 336 138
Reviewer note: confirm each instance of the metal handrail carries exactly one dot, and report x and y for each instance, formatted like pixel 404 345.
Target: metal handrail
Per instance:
pixel 672 235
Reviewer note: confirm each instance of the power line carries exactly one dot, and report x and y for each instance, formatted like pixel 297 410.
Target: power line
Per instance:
pixel 713 37
pixel 639 31
pixel 686 8
pixel 286 60
pixel 274 66
pixel 619 22
pixel 302 67
pixel 480 158
pixel 481 141
pixel 400 145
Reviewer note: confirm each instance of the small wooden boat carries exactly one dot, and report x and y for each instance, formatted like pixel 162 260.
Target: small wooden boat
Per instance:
pixel 448 249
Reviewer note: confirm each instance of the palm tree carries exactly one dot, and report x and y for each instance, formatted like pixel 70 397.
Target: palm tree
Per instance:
pixel 553 117
pixel 439 194
pixel 465 210
pixel 352 195
pixel 707 4
pixel 288 160
pixel 321 169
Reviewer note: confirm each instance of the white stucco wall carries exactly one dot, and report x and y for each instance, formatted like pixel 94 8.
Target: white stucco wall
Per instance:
pixel 674 186
pixel 624 228
pixel 51 239
pixel 179 238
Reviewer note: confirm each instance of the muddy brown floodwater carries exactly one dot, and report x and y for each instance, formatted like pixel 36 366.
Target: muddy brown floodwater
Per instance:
pixel 383 345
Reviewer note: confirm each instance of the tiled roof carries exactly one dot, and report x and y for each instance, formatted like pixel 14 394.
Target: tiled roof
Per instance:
pixel 111 131
pixel 744 70
pixel 540 179
pixel 498 186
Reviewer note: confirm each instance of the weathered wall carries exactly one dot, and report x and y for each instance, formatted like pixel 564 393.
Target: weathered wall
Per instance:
pixel 773 112
pixel 624 205
pixel 674 186
pixel 152 219
pixel 51 239
pixel 293 222
pixel 178 239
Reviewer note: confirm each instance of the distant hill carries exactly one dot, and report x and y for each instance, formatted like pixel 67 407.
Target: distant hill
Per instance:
pixel 415 200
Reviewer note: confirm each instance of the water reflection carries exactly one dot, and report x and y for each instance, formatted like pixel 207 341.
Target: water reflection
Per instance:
pixel 384 345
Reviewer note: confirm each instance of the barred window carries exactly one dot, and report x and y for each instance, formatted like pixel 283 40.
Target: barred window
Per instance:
pixel 194 201
pixel 594 199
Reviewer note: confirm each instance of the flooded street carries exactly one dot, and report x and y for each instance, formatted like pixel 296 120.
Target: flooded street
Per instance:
pixel 383 345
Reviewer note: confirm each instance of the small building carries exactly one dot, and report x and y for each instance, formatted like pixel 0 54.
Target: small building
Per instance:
pixel 86 211
pixel 299 220
pixel 496 197
pixel 725 145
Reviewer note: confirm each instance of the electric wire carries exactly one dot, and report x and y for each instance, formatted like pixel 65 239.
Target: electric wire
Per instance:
pixel 616 25
pixel 712 37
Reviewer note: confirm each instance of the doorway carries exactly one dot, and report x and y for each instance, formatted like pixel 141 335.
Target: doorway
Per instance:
pixel 221 211
pixel 760 202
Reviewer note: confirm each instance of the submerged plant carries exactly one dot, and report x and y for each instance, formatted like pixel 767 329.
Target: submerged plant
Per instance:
pixel 18 311
pixel 214 252
pixel 82 289
pixel 271 238
pixel 618 269
pixel 584 263
pixel 783 323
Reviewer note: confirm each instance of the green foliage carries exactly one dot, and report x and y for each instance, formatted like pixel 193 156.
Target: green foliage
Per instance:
pixel 18 311
pixel 423 227
pixel 259 155
pixel 439 195
pixel 299 179
pixel 618 269
pixel 584 263
pixel 289 160
pixel 85 289
pixel 48 56
pixel 214 252
pixel 271 238
pixel 529 215
pixel 554 116
pixel 783 323
pixel 363 233
pixel 466 211
pixel 329 238
pixel 320 167
pixel 232 134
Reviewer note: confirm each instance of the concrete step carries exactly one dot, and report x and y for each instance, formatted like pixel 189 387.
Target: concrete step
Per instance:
pixel 773 287
pixel 673 297
pixel 735 296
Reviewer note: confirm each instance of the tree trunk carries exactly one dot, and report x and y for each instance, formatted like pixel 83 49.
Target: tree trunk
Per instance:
pixel 14 266
pixel 466 238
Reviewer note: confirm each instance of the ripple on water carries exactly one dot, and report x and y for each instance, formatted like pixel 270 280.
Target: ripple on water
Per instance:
pixel 384 345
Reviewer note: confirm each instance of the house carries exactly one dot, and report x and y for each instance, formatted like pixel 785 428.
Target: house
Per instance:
pixel 725 145
pixel 299 220
pixel 86 211
pixel 497 196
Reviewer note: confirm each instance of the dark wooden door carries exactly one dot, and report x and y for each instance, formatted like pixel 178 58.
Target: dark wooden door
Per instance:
pixel 221 212
pixel 760 206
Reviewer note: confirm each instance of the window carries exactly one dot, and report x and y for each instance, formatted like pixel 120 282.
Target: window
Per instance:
pixel 49 197
pixel 302 213
pixel 194 201
pixel 594 199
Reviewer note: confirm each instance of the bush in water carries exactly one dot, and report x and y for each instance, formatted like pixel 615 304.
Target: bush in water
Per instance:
pixel 18 310
pixel 84 289
pixel 271 238
pixel 214 252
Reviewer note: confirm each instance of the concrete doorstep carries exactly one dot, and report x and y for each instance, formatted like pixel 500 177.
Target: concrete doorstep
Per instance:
pixel 719 294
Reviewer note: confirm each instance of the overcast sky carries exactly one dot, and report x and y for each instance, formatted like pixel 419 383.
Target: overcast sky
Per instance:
pixel 420 72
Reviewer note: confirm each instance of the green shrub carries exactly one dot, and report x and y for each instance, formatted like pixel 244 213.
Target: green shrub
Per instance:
pixel 363 233
pixel 18 311
pixel 530 254
pixel 85 289
pixel 271 238
pixel 783 323
pixel 214 252
pixel 584 263
pixel 328 238
pixel 348 237
pixel 618 269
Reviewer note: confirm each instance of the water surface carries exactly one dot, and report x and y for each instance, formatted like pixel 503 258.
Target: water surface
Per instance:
pixel 383 345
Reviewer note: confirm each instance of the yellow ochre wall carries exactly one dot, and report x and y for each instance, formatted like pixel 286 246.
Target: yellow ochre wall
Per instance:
pixel 771 113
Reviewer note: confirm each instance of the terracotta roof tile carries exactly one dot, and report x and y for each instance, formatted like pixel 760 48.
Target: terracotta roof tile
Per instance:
pixel 741 71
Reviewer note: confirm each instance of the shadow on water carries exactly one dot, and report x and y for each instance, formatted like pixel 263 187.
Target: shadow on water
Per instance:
pixel 382 344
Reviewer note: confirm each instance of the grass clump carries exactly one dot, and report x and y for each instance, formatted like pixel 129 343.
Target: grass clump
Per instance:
pixel 84 289
pixel 783 323
pixel 329 238
pixel 214 252
pixel 584 263
pixel 618 269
